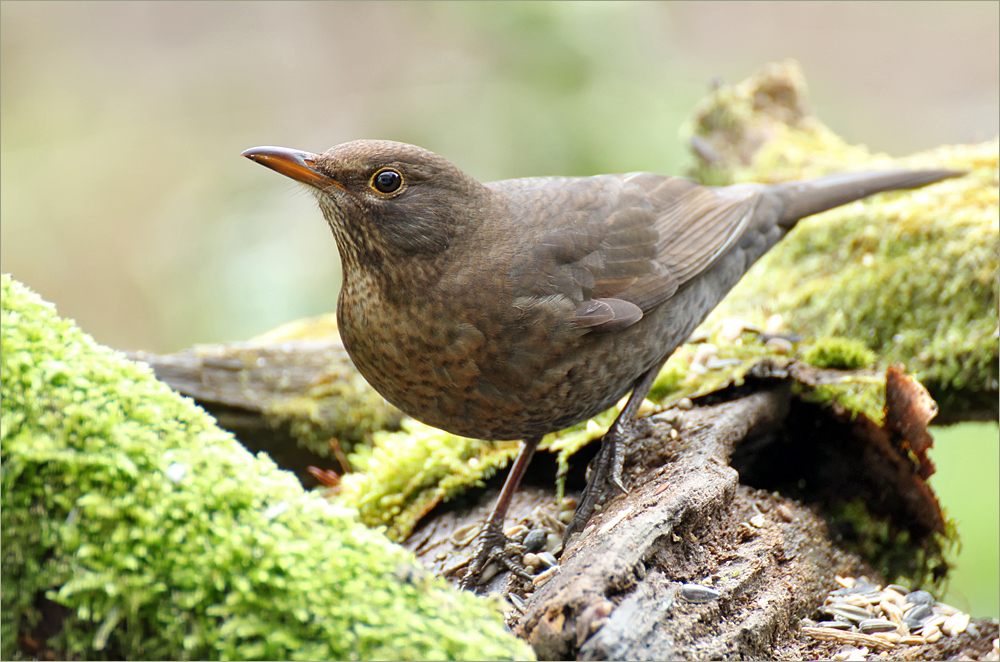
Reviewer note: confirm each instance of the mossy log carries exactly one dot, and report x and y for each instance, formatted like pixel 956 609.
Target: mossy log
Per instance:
pixel 913 275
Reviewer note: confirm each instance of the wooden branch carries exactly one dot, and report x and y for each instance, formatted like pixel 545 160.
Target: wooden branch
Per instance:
pixel 688 522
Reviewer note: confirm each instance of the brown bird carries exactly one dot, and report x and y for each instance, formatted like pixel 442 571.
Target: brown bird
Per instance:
pixel 516 308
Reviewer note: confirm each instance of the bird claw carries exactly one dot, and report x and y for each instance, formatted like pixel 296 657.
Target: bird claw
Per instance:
pixel 606 474
pixel 493 547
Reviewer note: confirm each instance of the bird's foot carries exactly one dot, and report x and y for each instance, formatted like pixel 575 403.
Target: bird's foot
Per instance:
pixel 493 551
pixel 605 479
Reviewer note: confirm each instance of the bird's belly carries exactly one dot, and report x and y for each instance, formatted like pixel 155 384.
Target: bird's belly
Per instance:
pixel 492 383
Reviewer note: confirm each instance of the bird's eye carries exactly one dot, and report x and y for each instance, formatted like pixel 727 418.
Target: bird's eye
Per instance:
pixel 387 181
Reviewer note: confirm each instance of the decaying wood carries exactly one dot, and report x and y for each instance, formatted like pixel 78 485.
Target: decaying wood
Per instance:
pixel 679 526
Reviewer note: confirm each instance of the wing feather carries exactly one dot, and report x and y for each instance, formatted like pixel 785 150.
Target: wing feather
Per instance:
pixel 620 245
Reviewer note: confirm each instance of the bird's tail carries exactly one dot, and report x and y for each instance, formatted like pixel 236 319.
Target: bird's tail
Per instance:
pixel 805 198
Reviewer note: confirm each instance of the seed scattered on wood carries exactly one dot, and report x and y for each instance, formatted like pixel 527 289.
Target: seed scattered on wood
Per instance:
pixel 892 614
pixel 517 601
pixel 463 535
pixel 920 597
pixel 931 634
pixel 955 624
pixel 548 559
pixel 873 625
pixel 697 593
pixel 856 638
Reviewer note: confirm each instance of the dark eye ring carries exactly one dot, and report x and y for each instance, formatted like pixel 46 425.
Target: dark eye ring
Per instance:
pixel 387 181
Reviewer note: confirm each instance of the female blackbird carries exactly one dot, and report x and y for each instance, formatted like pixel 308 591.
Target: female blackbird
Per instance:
pixel 516 308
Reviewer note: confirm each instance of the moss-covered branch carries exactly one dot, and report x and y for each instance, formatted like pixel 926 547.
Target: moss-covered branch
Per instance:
pixel 912 274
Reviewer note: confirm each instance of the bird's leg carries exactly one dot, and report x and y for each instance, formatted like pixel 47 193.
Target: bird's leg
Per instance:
pixel 492 544
pixel 606 468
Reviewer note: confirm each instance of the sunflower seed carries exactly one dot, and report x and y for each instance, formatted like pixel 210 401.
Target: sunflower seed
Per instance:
pixel 535 540
pixel 917 616
pixel 697 593
pixel 936 619
pixel 920 598
pixel 947 610
pixel 895 597
pixel 531 562
pixel 489 572
pixel 873 625
pixel 846 582
pixel 847 612
pixel 545 576
pixel 891 611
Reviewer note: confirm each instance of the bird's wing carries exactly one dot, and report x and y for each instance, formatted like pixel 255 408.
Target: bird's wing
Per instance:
pixel 622 244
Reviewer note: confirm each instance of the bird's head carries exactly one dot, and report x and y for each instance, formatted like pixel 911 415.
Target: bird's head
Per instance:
pixel 385 201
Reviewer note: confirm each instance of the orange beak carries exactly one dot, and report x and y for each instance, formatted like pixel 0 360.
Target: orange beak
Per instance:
pixel 292 163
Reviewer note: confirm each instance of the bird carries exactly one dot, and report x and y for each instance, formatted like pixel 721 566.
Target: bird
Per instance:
pixel 511 309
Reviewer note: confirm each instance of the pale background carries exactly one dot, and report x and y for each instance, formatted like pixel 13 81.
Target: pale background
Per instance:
pixel 125 201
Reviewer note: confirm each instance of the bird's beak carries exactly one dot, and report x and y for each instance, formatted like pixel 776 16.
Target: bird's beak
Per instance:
pixel 293 163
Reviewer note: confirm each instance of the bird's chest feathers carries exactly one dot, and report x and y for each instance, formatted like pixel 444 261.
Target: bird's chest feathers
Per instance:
pixel 400 345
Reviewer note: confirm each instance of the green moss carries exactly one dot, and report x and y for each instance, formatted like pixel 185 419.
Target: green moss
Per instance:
pixel 762 130
pixel 164 539
pixel 404 474
pixel 857 393
pixel 838 353
pixel 911 274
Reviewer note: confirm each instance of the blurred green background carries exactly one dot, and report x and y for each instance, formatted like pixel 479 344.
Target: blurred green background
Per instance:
pixel 125 201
